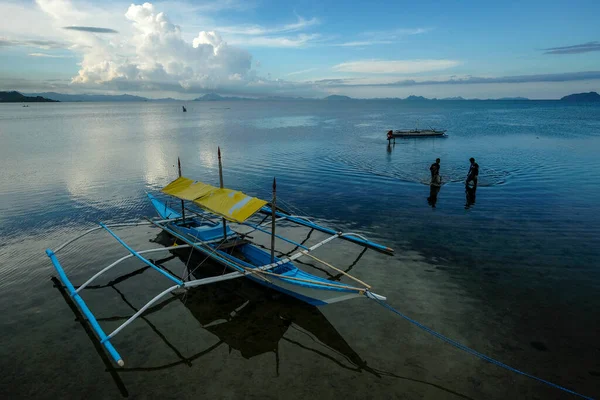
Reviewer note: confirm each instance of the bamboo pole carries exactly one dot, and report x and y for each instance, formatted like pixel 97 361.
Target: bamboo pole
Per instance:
pixel 221 185
pixel 273 208
pixel 182 204
pixel 360 290
pixel 337 269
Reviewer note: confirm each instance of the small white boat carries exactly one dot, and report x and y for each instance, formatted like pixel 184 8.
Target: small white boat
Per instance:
pixel 404 133
pixel 418 133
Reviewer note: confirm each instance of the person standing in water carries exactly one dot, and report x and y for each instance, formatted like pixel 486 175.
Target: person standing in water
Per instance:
pixel 473 173
pixel 435 173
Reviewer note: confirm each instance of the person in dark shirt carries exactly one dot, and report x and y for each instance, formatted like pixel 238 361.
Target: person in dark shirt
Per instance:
pixel 473 172
pixel 435 172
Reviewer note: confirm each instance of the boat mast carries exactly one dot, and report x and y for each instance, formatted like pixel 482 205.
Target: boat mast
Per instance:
pixel 273 208
pixel 221 185
pixel 182 204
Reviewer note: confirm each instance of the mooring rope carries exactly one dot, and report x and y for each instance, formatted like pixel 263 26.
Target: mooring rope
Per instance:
pixel 473 352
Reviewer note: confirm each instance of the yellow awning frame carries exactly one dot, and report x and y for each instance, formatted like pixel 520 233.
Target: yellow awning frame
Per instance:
pixel 230 204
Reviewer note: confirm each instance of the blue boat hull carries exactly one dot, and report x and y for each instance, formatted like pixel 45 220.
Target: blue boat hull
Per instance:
pixel 197 229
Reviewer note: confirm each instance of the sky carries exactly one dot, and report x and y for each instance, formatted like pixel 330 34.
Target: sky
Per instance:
pixel 307 48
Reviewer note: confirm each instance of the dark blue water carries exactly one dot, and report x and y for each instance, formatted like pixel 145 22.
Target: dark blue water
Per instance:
pixel 514 275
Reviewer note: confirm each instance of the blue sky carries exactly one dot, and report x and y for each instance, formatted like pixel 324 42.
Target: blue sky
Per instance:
pixel 537 49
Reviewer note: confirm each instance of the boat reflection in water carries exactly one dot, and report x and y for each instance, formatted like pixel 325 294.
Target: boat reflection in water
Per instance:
pixel 253 319
pixel 244 315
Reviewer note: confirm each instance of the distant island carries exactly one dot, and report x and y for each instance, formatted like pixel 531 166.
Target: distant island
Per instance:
pixel 583 97
pixel 53 96
pixel 337 97
pixel 216 97
pixel 16 97
pixel 89 97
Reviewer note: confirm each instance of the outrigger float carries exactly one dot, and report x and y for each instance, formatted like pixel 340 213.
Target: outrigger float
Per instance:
pixel 206 230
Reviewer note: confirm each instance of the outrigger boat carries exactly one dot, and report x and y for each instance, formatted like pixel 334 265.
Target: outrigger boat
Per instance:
pixel 418 132
pixel 407 133
pixel 206 230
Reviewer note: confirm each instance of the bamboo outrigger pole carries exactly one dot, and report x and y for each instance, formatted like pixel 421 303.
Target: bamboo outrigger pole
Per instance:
pixel 221 185
pixel 182 204
pixel 274 207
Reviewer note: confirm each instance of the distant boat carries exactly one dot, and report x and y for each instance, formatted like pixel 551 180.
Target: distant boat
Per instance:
pixel 406 133
pixel 417 133
pixel 184 109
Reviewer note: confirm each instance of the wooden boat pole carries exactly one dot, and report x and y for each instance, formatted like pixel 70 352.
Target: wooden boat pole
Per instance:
pixel 221 185
pixel 182 203
pixel 337 269
pixel 292 278
pixel 273 207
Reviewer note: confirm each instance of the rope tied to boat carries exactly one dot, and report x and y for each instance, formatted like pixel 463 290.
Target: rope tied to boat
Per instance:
pixel 471 351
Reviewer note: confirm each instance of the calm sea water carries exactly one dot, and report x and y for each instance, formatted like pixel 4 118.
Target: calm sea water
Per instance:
pixel 514 275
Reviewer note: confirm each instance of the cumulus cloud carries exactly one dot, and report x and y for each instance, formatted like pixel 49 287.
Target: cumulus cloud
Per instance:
pixel 92 29
pixel 575 49
pixel 149 51
pixel 157 56
pixel 394 67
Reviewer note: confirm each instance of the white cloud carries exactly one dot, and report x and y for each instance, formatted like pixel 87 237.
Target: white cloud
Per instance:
pixel 155 54
pixel 359 43
pixel 40 44
pixel 304 71
pixel 372 38
pixel 300 24
pixel 394 67
pixel 47 55
pixel 274 36
pixel 60 9
pixel 300 40
pixel 149 52
pixel 396 33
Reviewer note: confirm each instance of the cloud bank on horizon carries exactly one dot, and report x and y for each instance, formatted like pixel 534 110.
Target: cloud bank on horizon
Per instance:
pixel 139 48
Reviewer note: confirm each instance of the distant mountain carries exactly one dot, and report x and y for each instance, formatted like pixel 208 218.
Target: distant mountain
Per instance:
pixel 89 97
pixel 166 99
pixel 284 98
pixel 457 98
pixel 416 98
pixel 210 97
pixel 216 97
pixel 16 97
pixel 337 97
pixel 512 98
pixel 590 96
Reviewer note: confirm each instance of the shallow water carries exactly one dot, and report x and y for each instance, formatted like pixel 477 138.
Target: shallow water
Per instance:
pixel 514 276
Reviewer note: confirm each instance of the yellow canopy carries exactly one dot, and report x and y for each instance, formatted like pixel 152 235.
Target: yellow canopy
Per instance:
pixel 230 204
pixel 186 189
